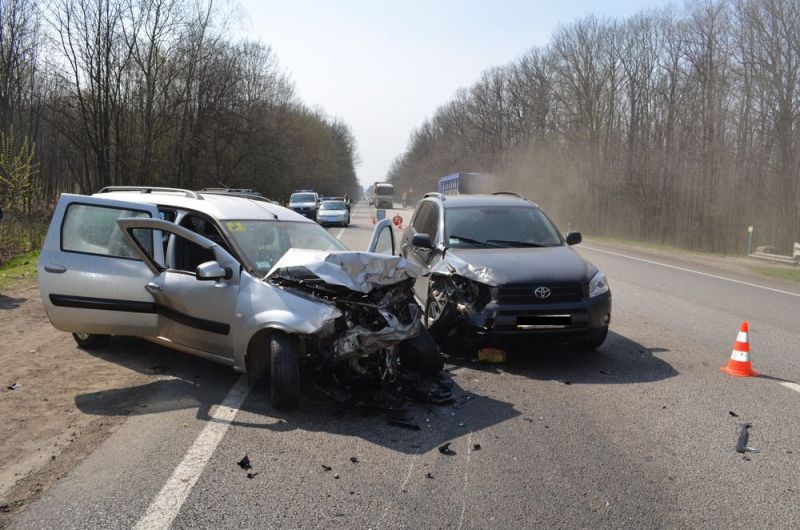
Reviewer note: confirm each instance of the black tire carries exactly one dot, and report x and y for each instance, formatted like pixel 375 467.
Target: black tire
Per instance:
pixel 591 341
pixel 90 341
pixel 284 373
pixel 421 354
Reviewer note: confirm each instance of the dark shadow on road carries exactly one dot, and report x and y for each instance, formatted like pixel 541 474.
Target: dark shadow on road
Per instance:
pixel 195 383
pixel 7 302
pixel 618 361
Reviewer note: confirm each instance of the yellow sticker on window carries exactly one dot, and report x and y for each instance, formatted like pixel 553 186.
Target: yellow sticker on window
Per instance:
pixel 235 226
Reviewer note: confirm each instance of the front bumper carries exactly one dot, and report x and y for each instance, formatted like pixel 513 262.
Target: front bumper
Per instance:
pixel 557 322
pixel 311 213
pixel 330 219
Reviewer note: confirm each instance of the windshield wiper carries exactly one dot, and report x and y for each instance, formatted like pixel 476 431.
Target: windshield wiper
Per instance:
pixel 474 241
pixel 517 243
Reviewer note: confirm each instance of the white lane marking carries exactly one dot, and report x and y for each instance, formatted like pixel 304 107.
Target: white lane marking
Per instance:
pixel 464 493
pixel 793 386
pixel 165 507
pixel 339 234
pixel 692 271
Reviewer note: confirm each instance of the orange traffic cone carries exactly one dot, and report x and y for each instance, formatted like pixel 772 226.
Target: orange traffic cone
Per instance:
pixel 740 365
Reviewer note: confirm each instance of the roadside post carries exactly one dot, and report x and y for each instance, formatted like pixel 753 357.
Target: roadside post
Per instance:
pixel 749 240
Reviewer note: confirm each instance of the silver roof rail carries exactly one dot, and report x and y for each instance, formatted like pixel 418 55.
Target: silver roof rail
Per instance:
pixel 435 194
pixel 151 189
pixel 508 193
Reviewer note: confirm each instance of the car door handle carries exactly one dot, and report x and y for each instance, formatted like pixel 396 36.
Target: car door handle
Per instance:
pixel 153 287
pixel 55 269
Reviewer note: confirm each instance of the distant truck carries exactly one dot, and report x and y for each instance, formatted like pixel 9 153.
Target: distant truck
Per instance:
pixel 461 183
pixel 384 195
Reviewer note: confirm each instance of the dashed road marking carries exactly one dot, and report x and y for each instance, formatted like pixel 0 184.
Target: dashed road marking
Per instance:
pixel 793 386
pixel 684 269
pixel 165 507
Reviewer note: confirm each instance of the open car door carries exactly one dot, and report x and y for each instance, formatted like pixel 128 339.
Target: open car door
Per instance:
pixel 382 241
pixel 195 289
pixel 90 276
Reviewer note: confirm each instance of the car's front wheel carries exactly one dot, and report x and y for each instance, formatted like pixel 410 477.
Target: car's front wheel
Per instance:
pixel 284 374
pixel 89 340
pixel 592 340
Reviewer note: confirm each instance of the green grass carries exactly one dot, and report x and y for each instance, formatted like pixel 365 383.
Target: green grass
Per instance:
pixel 18 269
pixel 782 273
pixel 651 246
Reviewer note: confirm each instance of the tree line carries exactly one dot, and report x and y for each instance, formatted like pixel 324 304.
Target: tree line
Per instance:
pixel 152 92
pixel 679 126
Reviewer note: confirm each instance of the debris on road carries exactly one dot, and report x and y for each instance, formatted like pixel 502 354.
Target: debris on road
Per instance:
pixel 404 423
pixel 14 386
pixel 326 468
pixel 604 372
pixel 244 463
pixel 252 474
pixel 336 475
pixel 733 414
pixel 561 381
pixel 476 447
pixel 354 459
pixel 445 449
pixel 428 475
pixel 744 435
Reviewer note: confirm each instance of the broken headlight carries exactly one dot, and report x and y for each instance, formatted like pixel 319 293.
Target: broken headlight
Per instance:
pixel 465 291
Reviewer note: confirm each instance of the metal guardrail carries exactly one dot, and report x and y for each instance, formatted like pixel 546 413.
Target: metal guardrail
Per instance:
pixel 777 258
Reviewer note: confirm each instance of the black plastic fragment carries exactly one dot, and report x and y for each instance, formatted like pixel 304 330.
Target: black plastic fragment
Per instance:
pixel 326 468
pixel 404 423
pixel 429 475
pixel 244 463
pixel 445 449
pixel 354 459
pixel 733 414
pixel 604 372
pixel 744 436
pixel 252 474
pixel 476 447
pixel 14 386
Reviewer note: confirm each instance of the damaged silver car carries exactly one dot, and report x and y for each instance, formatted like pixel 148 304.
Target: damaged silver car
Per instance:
pixel 235 279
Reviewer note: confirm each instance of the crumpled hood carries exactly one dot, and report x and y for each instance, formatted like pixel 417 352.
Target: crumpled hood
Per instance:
pixel 358 271
pixel 499 266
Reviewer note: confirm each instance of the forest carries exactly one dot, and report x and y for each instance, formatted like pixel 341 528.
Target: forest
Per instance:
pixel 149 92
pixel 677 126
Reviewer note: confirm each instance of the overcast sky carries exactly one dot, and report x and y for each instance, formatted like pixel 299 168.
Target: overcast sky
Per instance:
pixel 385 66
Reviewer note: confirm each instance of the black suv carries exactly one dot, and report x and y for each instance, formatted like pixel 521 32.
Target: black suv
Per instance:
pixel 500 269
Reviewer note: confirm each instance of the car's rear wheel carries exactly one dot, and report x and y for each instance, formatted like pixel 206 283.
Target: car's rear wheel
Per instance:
pixel 284 375
pixel 592 340
pixel 89 340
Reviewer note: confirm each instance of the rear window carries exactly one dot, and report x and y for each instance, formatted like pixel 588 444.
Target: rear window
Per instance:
pixel 93 229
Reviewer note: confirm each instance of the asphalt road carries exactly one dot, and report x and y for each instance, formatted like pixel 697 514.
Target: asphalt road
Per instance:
pixel 636 434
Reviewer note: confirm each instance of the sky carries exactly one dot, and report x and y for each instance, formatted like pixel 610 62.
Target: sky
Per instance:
pixel 384 66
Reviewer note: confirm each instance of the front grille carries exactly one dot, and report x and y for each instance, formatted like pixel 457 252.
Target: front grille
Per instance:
pixel 524 294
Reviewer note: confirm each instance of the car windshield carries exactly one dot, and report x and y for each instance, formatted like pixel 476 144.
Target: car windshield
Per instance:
pixel 301 197
pixel 333 205
pixel 499 226
pixel 264 242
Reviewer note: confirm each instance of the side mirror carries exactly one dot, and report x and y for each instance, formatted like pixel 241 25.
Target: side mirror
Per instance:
pixel 573 238
pixel 422 241
pixel 212 271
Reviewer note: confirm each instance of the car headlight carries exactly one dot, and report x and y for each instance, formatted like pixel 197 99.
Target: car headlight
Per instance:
pixel 598 284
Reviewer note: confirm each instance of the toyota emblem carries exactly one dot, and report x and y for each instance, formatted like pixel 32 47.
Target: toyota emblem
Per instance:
pixel 542 292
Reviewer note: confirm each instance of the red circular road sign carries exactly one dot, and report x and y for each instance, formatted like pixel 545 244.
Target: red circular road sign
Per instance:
pixel 397 220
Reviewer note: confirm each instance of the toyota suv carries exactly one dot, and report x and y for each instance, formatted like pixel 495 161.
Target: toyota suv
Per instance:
pixel 500 269
pixel 234 278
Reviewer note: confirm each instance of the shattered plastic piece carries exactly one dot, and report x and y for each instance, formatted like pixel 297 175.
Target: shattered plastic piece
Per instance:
pixel 733 414
pixel 405 424
pixel 476 447
pixel 354 459
pixel 429 475
pixel 604 372
pixel 336 475
pixel 741 444
pixel 14 386
pixel 244 463
pixel 326 468
pixel 252 475
pixel 461 424
pixel 445 449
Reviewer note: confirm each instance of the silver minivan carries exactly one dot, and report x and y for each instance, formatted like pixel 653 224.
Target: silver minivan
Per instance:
pixel 238 280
